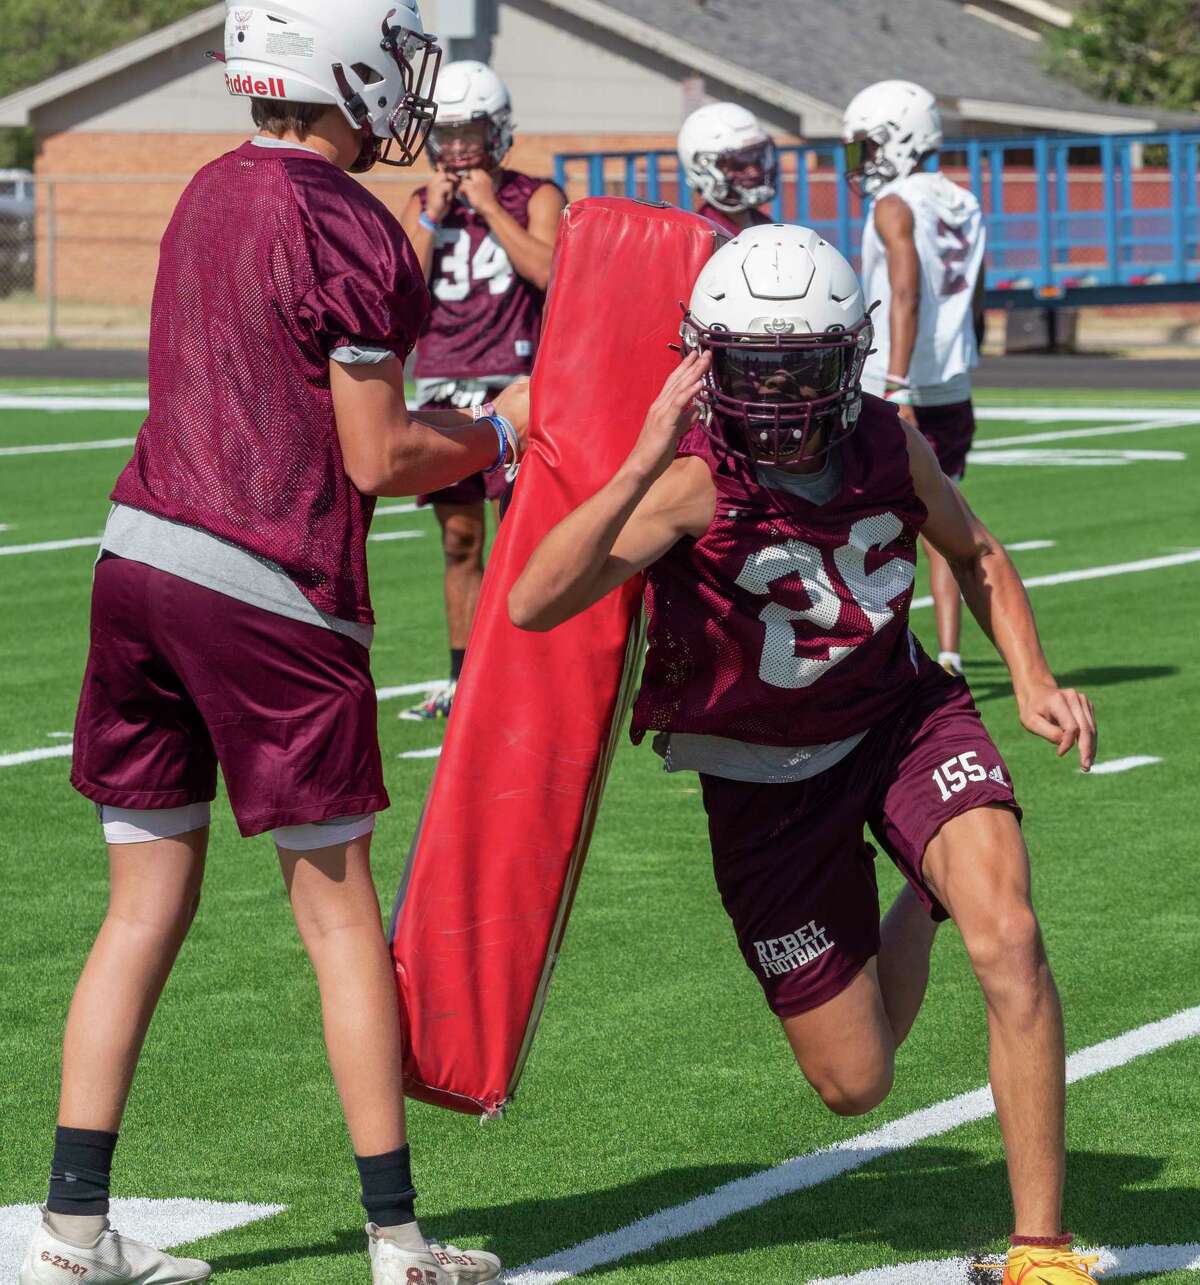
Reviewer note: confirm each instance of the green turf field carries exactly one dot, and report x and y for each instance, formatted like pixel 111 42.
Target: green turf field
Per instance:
pixel 658 1075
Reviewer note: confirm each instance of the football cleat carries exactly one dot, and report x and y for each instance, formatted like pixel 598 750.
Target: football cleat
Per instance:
pixel 1034 1265
pixel 435 706
pixel 434 1265
pixel 113 1258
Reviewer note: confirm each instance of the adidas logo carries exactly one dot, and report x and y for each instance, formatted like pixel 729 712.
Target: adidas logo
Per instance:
pixel 996 774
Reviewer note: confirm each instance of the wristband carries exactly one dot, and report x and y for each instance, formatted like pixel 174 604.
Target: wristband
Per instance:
pixel 426 222
pixel 508 442
pixel 486 411
pixel 899 396
pixel 898 381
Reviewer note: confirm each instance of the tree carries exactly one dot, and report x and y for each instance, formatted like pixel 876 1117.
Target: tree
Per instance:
pixel 41 39
pixel 1142 52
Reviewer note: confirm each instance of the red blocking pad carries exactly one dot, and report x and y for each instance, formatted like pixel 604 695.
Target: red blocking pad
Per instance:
pixel 483 907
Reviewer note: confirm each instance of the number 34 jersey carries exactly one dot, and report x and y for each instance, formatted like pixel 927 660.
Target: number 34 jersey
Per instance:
pixel 485 319
pixel 786 623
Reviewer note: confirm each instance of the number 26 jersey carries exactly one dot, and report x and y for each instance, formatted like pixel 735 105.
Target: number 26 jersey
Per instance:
pixel 786 623
pixel 485 319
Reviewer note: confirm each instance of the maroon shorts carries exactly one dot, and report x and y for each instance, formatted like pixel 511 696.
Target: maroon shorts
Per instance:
pixel 476 489
pixel 950 430
pixel 180 678
pixel 792 868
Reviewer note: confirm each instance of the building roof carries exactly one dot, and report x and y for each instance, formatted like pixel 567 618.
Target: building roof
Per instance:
pixel 802 56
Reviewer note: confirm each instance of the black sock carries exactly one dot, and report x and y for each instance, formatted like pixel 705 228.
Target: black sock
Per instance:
pixel 79 1172
pixel 456 662
pixel 387 1188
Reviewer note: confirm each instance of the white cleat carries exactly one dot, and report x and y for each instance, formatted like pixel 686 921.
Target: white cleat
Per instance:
pixel 113 1258
pixel 435 1265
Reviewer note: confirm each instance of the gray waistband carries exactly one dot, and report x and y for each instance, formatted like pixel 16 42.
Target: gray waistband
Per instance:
pixel 745 761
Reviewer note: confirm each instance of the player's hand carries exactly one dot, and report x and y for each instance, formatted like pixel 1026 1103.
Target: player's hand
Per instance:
pixel 513 403
pixel 478 190
pixel 670 415
pixel 440 192
pixel 1062 716
pixel 908 415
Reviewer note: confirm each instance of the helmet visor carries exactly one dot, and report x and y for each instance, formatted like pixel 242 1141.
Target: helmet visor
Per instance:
pixel 777 376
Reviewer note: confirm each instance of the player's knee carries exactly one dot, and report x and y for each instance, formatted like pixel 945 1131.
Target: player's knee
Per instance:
pixel 462 544
pixel 1007 953
pixel 853 1091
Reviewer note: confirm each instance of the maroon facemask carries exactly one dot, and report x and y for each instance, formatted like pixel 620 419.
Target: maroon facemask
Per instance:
pixel 780 398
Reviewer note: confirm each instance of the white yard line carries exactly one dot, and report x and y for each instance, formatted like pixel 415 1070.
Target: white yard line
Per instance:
pixel 1096 573
pixel 1082 414
pixel 392 510
pixel 1060 457
pixel 407 689
pixel 1067 434
pixel 49 545
pixel 1025 546
pixel 17 401
pixel 821 1166
pixel 62 448
pixel 1125 764
pixel 397 535
pixel 34 756
pixel 433 752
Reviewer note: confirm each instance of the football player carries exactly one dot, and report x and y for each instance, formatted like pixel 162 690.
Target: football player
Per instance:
pixel 777 530
pixel 922 256
pixel 231 617
pixel 484 237
pixel 730 163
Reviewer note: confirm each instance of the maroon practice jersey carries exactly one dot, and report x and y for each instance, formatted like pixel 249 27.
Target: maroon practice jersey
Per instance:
pixel 786 623
pixel 273 259
pixel 725 221
pixel 485 319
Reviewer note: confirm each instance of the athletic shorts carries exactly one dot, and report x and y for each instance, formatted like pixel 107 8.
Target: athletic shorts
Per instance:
pixel 476 489
pixel 792 868
pixel 950 430
pixel 180 678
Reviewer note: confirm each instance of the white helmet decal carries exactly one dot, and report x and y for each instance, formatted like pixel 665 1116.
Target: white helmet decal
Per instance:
pixel 783 315
pixel 720 131
pixel 370 58
pixel 902 122
pixel 469 91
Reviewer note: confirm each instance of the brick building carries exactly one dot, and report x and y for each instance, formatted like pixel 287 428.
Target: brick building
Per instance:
pixel 118 136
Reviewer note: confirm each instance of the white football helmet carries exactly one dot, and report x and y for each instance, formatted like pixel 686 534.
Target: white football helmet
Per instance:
pixel 370 58
pixel 474 127
pixel 887 129
pixel 728 157
pixel 782 313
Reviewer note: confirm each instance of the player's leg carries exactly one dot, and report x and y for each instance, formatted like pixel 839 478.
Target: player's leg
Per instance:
pixel 978 867
pixel 947 608
pixel 462 528
pixel 905 942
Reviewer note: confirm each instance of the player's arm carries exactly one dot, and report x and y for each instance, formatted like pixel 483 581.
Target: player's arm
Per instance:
pixel 993 591
pixel 387 451
pixel 439 197
pixel 978 307
pixel 650 503
pixel 529 249
pixel 894 223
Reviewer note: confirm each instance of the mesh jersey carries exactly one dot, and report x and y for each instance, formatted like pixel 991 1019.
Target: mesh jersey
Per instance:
pixel 485 318
pixel 950 239
pixel 786 623
pixel 725 221
pixel 271 261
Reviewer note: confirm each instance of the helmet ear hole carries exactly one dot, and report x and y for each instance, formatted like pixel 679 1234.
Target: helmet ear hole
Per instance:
pixel 366 73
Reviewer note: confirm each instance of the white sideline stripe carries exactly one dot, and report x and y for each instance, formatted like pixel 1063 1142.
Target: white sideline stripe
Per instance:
pixel 1023 546
pixel 397 535
pixel 843 1157
pixel 161 1223
pixel 1140 1260
pixel 58 448
pixel 1125 764
pixel 431 753
pixel 15 401
pixel 50 545
pixel 1095 573
pixel 1065 434
pixel 35 756
pixel 1083 414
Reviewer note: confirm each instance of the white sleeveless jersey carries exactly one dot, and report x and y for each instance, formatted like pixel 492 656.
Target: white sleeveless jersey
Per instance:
pixel 950 238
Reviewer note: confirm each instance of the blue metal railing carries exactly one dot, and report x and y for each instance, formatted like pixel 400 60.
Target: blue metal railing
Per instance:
pixel 1117 215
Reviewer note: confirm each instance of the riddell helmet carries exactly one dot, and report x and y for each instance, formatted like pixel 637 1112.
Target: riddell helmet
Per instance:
pixel 901 120
pixel 728 157
pixel 470 92
pixel 370 58
pixel 782 313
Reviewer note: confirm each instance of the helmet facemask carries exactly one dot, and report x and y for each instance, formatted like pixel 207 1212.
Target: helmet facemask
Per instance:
pixel 480 143
pixel 780 398
pixel 739 180
pixel 868 167
pixel 419 59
